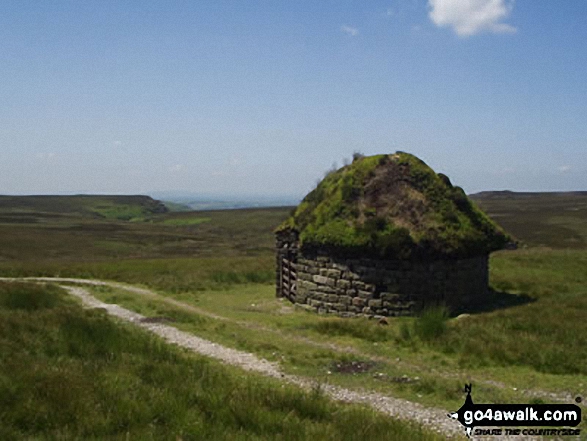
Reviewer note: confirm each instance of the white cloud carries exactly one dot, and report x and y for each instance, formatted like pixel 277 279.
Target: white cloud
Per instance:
pixel 117 143
pixel 353 32
pixel 469 17
pixel 564 168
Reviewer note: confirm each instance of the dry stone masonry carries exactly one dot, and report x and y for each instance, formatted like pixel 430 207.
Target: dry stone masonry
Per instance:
pixel 385 236
pixel 378 287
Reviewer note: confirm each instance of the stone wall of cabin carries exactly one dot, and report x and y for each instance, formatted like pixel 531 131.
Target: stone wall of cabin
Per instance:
pixel 368 287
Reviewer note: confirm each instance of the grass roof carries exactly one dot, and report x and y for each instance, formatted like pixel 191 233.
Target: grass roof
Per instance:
pixel 393 205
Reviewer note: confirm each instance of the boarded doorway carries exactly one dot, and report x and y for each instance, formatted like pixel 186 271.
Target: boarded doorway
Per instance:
pixel 288 282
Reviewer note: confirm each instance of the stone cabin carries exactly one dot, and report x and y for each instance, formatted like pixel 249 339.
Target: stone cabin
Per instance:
pixel 385 236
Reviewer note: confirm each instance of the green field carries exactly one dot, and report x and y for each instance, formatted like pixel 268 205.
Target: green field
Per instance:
pixel 528 346
pixel 69 373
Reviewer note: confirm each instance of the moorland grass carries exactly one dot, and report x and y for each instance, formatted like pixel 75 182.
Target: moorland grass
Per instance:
pixel 170 275
pixel 69 373
pixel 545 334
pixel 212 264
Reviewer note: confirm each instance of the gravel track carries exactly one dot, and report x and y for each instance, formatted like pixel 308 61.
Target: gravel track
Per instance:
pixel 563 397
pixel 403 409
pixel 433 418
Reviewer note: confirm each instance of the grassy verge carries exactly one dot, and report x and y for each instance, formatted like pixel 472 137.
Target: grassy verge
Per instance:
pixel 170 275
pixel 531 346
pixel 67 373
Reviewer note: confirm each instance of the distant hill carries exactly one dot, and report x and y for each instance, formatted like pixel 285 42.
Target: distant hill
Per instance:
pixel 507 194
pixel 547 219
pixel 201 203
pixel 96 206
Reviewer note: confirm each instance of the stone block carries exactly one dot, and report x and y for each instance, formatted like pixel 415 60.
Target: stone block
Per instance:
pixel 345 300
pixel 320 279
pixel 333 273
pixel 389 297
pixel 304 276
pixel 369 287
pixel 330 282
pixel 375 303
pixel 352 275
pixel 357 301
pixel 357 284
pixel 342 283
pixel 367 311
pixel 305 284
pixel 301 298
pixel 365 294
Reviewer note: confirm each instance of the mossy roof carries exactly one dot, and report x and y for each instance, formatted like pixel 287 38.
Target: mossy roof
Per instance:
pixel 393 205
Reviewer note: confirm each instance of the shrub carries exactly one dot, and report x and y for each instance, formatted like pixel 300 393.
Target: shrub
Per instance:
pixel 28 297
pixel 431 323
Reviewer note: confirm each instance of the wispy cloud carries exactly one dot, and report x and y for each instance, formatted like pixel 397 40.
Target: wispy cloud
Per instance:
pixel 470 17
pixel 353 32
pixel 564 168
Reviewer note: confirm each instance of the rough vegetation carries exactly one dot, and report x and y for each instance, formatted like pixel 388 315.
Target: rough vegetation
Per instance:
pixel 23 208
pixel 393 205
pixel 68 373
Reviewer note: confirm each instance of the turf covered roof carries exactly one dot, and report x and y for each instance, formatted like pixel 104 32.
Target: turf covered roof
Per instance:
pixel 393 205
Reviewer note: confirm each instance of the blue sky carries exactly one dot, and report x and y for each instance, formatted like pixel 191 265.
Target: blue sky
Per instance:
pixel 262 97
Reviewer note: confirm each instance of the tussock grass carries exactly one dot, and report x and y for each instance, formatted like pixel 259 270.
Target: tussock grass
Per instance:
pixel 27 297
pixel 546 334
pixel 69 373
pixel 431 323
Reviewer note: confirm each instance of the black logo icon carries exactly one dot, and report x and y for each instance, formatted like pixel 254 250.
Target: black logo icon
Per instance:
pixel 515 415
pixel 459 415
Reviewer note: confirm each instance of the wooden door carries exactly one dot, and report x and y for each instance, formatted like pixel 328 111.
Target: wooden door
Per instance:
pixel 288 277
